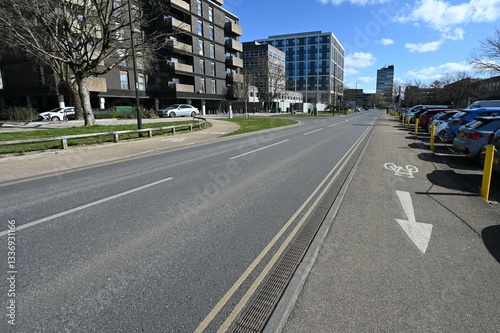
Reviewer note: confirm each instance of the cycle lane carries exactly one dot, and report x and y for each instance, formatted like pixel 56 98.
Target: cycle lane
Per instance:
pixel 406 252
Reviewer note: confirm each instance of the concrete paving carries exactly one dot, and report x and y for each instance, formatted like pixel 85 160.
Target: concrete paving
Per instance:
pixel 367 275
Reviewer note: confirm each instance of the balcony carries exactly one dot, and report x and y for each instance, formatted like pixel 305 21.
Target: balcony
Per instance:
pixel 175 24
pixel 234 45
pixel 178 67
pixel 234 78
pixel 233 28
pixel 178 87
pixel 179 3
pixel 234 62
pixel 179 47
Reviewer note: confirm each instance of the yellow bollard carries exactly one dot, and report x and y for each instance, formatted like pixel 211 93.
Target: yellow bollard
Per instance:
pixel 433 132
pixel 488 168
pixel 416 127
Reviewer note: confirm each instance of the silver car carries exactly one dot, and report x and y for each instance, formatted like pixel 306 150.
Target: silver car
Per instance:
pixel 471 138
pixel 179 110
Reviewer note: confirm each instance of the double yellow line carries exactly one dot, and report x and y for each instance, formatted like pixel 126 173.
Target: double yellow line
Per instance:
pixel 336 170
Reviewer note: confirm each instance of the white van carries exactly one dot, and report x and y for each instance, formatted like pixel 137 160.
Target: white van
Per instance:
pixel 484 104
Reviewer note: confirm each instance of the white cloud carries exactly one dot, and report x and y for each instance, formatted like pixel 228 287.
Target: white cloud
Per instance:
pixel 424 47
pixel 457 34
pixel 350 71
pixel 435 73
pixel 359 60
pixel 365 79
pixel 443 16
pixel 385 41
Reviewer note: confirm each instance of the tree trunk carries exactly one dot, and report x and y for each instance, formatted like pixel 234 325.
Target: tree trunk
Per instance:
pixel 84 94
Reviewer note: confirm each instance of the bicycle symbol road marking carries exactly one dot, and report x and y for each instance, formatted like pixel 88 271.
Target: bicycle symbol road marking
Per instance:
pixel 408 171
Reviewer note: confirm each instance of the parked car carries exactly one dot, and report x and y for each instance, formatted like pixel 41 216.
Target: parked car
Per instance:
pixel 58 114
pixel 472 137
pixel 485 104
pixel 440 120
pixel 178 110
pixel 495 141
pixel 410 112
pixel 425 117
pixel 464 117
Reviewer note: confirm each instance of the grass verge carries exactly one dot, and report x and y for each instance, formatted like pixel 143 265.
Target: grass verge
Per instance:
pixel 47 133
pixel 258 124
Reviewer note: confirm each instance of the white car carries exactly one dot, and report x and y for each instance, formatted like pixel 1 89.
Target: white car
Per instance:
pixel 178 110
pixel 58 114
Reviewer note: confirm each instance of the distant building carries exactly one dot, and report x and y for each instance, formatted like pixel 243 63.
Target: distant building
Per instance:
pixel 314 63
pixel 385 82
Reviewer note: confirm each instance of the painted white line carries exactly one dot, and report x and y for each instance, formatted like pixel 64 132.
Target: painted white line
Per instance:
pixel 253 151
pixel 333 125
pixel 76 209
pixel 419 233
pixel 320 129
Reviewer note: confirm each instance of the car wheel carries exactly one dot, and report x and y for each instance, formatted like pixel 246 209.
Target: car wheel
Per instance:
pixel 171 114
pixel 55 119
pixel 193 114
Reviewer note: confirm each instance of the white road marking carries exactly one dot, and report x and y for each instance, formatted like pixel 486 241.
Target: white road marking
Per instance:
pixel 319 129
pixel 174 140
pixel 76 209
pixel 253 151
pixel 400 171
pixel 419 233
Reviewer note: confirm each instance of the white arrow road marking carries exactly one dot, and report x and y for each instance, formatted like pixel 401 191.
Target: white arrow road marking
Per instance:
pixel 419 233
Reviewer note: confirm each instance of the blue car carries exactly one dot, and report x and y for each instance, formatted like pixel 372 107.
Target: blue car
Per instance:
pixel 474 136
pixel 465 117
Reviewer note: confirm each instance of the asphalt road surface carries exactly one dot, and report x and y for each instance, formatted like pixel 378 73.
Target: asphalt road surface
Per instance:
pixel 165 243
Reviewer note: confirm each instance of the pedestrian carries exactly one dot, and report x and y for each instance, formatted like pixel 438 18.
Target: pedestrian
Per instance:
pixel 387 110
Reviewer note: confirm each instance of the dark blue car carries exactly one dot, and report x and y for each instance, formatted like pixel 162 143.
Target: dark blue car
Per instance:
pixel 465 117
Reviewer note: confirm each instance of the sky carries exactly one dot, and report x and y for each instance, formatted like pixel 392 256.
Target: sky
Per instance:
pixel 424 39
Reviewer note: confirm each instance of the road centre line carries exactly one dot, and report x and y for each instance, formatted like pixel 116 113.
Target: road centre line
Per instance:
pixel 67 212
pixel 253 151
pixel 319 129
pixel 229 294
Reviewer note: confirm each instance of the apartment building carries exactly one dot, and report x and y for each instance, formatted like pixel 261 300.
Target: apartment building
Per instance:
pixel 314 63
pixel 201 65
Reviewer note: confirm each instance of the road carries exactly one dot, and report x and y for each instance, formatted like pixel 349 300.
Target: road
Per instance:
pixel 171 242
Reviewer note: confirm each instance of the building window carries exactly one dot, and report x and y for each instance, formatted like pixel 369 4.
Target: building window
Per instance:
pixel 42 76
pixel 211 14
pixel 203 86
pixel 200 45
pixel 124 80
pixel 198 8
pixel 200 28
pixel 212 68
pixel 1 80
pixel 141 84
pixel 202 66
pixel 214 87
pixel 212 51
pixel 211 33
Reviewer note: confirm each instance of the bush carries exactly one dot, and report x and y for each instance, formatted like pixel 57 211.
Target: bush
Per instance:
pixel 17 113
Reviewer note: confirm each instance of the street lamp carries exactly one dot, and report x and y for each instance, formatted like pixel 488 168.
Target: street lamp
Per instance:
pixel 355 97
pixel 138 109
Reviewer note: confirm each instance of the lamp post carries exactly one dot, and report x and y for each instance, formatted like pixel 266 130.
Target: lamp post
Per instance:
pixel 132 40
pixel 355 97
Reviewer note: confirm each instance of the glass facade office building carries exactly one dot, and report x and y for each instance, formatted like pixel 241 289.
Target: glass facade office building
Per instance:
pixel 385 82
pixel 314 63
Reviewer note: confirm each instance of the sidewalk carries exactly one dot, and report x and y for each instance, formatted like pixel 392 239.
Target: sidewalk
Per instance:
pixel 368 275
pixel 54 161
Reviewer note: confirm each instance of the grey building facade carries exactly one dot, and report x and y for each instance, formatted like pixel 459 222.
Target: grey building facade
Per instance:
pixel 314 64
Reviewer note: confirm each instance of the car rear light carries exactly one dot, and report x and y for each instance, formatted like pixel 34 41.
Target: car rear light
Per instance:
pixel 459 122
pixel 473 136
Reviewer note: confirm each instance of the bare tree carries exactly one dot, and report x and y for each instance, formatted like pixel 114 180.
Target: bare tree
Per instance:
pixel 457 88
pixel 84 38
pixel 487 57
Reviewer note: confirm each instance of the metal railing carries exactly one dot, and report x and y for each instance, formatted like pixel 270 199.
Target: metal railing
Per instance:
pixel 116 134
